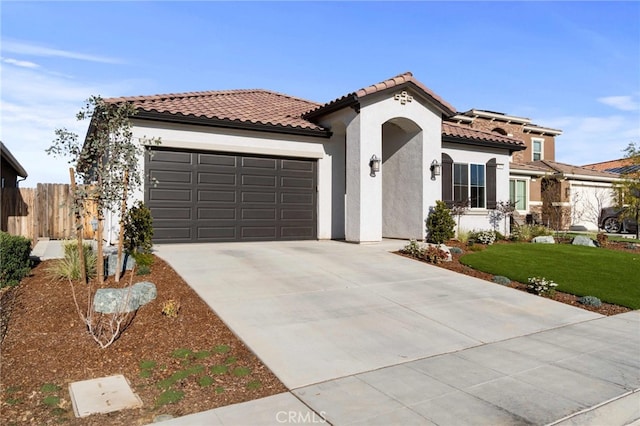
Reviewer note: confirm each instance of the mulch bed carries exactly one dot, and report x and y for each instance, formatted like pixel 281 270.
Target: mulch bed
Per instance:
pixel 47 344
pixel 569 299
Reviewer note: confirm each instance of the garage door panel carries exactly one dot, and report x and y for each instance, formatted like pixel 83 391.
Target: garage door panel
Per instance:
pixel 296 182
pixel 216 197
pixel 297 165
pixel 249 163
pixel 172 176
pixel 217 178
pixel 205 213
pixel 217 160
pixel 176 195
pixel 298 198
pixel 258 232
pixel 172 213
pixel 171 157
pixel 258 214
pixel 218 233
pixel 259 197
pixel 257 180
pixel 206 195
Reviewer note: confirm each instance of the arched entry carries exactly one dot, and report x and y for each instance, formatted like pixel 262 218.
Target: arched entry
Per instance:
pixel 402 179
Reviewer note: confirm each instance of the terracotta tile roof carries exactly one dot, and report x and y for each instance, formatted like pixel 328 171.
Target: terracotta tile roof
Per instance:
pixel 607 165
pixel 465 132
pixel 397 81
pixel 530 167
pixel 255 106
pixel 552 167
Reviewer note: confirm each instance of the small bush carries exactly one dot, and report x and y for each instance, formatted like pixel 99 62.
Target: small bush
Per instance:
pixel 455 250
pixel 602 239
pixel 440 224
pixel 138 229
pixel 529 232
pixel 501 280
pixel 484 237
pixel 541 286
pixel 414 249
pixel 590 301
pixel 463 236
pixel 435 255
pixel 69 266
pixel 171 308
pixel 14 259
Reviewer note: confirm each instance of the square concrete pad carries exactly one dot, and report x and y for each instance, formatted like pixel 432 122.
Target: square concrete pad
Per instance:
pixel 103 395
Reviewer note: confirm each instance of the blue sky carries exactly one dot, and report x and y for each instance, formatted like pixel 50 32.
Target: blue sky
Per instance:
pixel 573 66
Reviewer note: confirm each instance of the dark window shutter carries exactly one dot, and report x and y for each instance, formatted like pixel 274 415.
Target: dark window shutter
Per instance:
pixel 491 184
pixel 447 180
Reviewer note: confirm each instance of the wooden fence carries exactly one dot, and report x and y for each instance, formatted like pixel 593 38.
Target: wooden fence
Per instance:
pixel 44 211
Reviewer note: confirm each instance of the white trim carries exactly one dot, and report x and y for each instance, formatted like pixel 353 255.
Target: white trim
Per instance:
pixel 317 152
pixel 541 130
pixel 527 191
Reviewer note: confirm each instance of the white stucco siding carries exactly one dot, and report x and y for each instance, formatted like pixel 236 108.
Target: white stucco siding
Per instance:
pixel 365 212
pixel 326 151
pixel 586 200
pixel 478 219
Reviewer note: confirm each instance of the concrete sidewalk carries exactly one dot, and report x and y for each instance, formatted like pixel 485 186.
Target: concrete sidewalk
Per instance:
pixel 362 335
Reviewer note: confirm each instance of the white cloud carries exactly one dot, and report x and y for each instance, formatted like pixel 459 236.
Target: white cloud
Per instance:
pixel 19 63
pixel 587 140
pixel 35 102
pixel 24 48
pixel 623 103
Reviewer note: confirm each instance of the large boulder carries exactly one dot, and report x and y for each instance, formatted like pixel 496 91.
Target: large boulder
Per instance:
pixel 583 240
pixel 120 300
pixel 544 239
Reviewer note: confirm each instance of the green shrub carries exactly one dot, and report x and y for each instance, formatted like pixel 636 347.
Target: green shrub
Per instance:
pixel 69 266
pixel 414 249
pixel 138 229
pixel 440 224
pixel 455 250
pixel 463 236
pixel 529 232
pixel 590 301
pixel 15 263
pixel 541 286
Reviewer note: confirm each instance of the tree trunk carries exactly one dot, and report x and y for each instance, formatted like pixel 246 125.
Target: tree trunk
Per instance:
pixel 123 211
pixel 79 233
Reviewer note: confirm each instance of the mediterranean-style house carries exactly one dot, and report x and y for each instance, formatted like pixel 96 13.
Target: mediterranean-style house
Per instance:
pixel 255 165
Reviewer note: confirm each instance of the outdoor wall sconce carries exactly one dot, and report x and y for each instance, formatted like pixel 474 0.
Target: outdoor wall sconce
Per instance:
pixel 94 224
pixel 435 169
pixel 374 164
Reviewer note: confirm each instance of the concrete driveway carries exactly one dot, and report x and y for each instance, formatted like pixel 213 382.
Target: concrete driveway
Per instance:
pixel 362 335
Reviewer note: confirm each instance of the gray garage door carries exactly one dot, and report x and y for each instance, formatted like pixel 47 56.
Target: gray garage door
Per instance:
pixel 216 197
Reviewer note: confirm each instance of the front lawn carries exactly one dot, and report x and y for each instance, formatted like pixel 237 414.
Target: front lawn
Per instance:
pixel 612 276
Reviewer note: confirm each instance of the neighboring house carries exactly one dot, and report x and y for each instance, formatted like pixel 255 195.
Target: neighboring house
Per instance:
pixel 621 166
pixel 560 195
pixel 253 165
pixel 10 169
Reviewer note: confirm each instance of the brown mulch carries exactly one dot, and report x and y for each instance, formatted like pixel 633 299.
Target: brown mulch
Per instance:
pixel 569 299
pixel 47 344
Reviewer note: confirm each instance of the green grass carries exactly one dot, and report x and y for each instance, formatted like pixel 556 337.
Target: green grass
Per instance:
pixel 610 275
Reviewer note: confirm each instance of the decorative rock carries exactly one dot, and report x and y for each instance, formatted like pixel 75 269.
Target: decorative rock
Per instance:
pixel 583 240
pixel 544 239
pixel 128 299
pixel 110 264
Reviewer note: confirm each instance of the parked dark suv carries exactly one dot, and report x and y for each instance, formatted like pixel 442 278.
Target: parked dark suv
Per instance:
pixel 611 222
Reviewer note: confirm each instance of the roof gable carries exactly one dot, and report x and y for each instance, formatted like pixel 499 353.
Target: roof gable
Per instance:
pixel 397 82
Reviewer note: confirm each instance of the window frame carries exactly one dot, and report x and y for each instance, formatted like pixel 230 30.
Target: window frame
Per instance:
pixel 533 150
pixel 525 196
pixel 469 186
